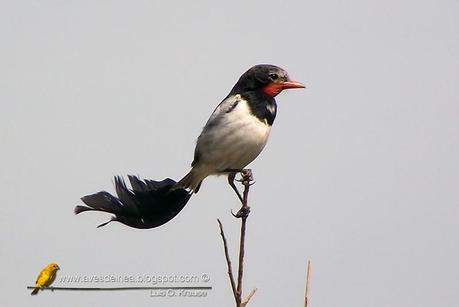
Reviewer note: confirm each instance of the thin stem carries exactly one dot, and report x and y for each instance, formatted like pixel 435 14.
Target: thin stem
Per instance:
pixel 308 281
pixel 247 300
pixel 246 179
pixel 228 260
pixel 243 213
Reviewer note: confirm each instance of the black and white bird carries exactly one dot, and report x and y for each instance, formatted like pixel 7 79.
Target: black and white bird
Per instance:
pixel 235 134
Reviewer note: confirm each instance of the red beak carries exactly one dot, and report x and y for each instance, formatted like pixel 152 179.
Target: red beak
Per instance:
pixel 292 84
pixel 272 89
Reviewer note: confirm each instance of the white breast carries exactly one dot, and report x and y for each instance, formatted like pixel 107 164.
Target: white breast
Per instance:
pixel 234 142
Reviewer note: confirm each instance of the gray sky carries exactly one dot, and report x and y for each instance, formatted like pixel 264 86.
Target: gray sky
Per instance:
pixel 360 175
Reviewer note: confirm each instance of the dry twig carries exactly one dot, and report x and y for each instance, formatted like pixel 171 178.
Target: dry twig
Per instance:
pixel 243 213
pixel 228 260
pixel 308 281
pixel 246 301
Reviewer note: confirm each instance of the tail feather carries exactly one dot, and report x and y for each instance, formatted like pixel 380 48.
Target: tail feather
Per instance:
pixel 35 291
pixel 147 204
pixel 109 221
pixel 192 180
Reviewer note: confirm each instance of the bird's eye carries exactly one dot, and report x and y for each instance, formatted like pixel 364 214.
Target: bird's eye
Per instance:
pixel 273 76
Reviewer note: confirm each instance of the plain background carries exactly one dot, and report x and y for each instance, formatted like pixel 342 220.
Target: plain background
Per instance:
pixel 360 175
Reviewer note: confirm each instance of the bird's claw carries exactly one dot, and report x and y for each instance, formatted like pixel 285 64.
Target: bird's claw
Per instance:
pixel 246 177
pixel 242 213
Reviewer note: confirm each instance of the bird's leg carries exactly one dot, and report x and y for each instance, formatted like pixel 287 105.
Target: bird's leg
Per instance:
pixel 231 177
pixel 246 181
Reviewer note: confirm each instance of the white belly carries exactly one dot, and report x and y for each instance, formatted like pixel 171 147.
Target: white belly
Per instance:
pixel 237 141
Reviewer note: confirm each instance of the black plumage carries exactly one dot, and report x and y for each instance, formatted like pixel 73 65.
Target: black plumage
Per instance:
pixel 264 108
pixel 147 204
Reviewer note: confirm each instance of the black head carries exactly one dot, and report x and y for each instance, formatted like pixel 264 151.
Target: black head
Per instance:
pixel 269 79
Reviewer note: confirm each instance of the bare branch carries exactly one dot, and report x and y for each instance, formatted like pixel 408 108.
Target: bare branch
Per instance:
pixel 243 214
pixel 228 260
pixel 246 301
pixel 308 282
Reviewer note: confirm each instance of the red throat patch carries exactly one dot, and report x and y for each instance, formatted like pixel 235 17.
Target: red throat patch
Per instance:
pixel 272 89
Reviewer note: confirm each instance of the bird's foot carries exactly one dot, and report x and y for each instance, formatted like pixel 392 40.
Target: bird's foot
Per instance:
pixel 242 213
pixel 246 177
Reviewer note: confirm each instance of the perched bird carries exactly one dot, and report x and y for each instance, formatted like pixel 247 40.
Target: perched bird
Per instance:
pixel 234 135
pixel 46 277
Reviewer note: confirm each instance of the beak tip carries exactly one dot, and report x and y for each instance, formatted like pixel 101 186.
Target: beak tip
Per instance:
pixel 293 84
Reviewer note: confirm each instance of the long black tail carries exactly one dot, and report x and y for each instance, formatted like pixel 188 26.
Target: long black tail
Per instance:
pixel 147 204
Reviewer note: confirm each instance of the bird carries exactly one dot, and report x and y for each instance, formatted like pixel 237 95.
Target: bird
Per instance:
pixel 46 277
pixel 234 135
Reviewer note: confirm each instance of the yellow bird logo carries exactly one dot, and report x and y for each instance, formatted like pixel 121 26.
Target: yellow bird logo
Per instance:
pixel 46 277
